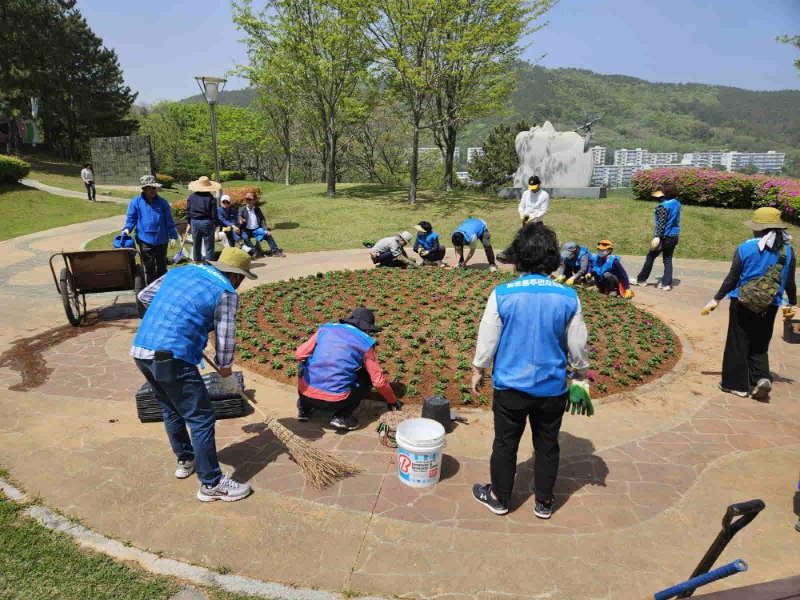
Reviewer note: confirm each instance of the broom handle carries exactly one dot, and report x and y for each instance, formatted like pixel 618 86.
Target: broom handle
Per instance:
pixel 242 393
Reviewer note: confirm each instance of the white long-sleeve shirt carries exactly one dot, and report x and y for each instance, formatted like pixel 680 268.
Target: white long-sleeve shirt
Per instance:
pixel 491 328
pixel 534 204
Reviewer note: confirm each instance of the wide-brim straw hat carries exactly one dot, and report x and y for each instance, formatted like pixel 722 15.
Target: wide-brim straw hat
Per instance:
pixel 204 184
pixel 406 236
pixel 234 260
pixel 766 217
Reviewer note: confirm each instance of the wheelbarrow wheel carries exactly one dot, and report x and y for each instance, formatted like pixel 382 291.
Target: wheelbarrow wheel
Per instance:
pixel 138 286
pixel 71 298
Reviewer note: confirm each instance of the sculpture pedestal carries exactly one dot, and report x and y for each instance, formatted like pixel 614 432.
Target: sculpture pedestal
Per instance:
pixel 590 193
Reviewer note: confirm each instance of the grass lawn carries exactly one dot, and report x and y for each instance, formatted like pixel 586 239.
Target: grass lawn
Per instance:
pixel 26 210
pixel 305 220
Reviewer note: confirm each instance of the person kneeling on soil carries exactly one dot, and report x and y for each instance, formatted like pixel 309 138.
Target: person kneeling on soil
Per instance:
pixel 390 251
pixel 183 306
pixel 529 327
pixel 338 367
pixel 575 264
pixel 609 275
pixel 427 244
pixel 469 232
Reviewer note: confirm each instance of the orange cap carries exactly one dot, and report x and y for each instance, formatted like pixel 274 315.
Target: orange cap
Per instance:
pixel 605 244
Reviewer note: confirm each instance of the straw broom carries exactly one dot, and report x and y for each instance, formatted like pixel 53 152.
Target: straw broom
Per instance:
pixel 320 468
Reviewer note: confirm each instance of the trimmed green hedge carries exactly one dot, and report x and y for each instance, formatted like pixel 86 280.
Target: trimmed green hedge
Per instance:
pixel 13 169
pixel 165 180
pixel 231 175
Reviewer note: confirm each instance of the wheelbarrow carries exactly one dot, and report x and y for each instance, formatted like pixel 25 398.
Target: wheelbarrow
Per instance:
pixel 746 511
pixel 95 272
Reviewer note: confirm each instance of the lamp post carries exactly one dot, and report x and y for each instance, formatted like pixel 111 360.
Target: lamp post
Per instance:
pixel 35 115
pixel 210 87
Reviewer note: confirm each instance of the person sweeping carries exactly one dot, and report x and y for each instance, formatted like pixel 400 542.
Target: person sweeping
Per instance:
pixel 665 237
pixel 183 307
pixel 529 327
pixel 576 262
pixel 608 273
pixel 763 268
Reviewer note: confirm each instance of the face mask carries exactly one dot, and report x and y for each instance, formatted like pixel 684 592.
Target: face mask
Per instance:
pixel 533 188
pixel 604 253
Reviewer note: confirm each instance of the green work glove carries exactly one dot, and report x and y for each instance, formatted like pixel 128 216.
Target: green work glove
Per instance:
pixel 579 400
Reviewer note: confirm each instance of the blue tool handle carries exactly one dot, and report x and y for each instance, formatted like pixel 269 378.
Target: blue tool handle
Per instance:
pixel 695 582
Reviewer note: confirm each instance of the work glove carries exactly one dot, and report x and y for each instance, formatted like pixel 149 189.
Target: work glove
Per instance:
pixel 570 281
pixel 579 400
pixel 396 406
pixel 655 243
pixel 525 219
pixel 172 243
pixel 628 294
pixel 229 384
pixel 126 232
pixel 789 312
pixel 709 307
pixel 226 229
pixel 560 279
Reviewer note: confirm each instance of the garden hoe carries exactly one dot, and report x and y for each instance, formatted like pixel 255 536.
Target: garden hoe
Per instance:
pixel 319 468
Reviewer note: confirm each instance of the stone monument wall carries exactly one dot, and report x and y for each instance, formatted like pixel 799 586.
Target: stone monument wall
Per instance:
pixel 121 160
pixel 556 157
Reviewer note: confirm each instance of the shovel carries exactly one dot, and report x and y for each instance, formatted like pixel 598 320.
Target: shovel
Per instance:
pixel 179 255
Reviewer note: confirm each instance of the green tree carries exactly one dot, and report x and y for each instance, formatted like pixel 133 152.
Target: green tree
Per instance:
pixel 318 51
pixel 499 162
pixel 481 45
pixel 793 40
pixel 747 169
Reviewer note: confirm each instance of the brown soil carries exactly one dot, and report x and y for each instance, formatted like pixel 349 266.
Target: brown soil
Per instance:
pixel 430 321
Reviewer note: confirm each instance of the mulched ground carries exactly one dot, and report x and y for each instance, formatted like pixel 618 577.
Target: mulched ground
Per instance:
pixel 430 318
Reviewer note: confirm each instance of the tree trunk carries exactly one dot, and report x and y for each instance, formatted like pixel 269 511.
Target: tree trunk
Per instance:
pixel 412 188
pixel 288 175
pixel 330 167
pixel 449 156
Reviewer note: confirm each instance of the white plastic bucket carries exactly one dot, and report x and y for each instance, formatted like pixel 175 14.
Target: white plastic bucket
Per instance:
pixel 419 451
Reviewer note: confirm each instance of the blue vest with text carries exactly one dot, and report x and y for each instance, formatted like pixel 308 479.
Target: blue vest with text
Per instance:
pixel 182 312
pixel 575 263
pixel 673 227
pixel 428 241
pixel 755 263
pixel 471 227
pixel 338 354
pixel 601 266
pixel 532 354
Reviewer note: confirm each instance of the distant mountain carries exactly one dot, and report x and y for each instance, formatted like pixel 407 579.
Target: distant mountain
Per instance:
pixel 637 113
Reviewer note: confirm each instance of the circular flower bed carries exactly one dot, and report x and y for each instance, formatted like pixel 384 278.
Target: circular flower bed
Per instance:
pixel 430 320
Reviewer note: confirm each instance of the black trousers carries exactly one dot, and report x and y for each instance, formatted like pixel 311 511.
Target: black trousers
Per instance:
pixel 746 357
pixel 154 260
pixel 511 409
pixel 668 245
pixel 607 283
pixel 342 408
pixel 435 255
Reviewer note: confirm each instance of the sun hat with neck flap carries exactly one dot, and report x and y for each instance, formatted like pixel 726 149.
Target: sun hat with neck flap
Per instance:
pixel 204 184
pixel 766 217
pixel 234 260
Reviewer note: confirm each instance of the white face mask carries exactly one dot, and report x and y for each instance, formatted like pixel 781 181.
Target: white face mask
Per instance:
pixel 604 253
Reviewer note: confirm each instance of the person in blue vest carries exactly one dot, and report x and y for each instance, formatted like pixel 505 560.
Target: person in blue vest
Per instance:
pixel 427 244
pixel 151 217
pixel 576 262
pixel 665 238
pixel 529 328
pixel 745 362
pixel 338 367
pixel 608 273
pixel 468 233
pixel 183 307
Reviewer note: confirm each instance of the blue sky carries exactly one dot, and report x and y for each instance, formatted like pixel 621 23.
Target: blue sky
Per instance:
pixel 164 44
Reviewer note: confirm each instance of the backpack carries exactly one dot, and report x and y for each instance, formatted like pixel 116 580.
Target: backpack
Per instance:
pixel 758 294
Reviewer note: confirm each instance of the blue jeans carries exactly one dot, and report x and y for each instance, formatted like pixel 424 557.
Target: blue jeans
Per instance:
pixel 668 248
pixel 184 399
pixel 250 240
pixel 91 191
pixel 202 231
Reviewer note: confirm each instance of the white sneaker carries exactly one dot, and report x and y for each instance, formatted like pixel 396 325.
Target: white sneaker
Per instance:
pixel 637 282
pixel 666 288
pixel 762 389
pixel 184 469
pixel 734 392
pixel 492 268
pixel 226 490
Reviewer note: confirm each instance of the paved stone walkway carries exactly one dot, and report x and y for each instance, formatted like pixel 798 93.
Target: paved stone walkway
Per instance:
pixel 73 194
pixel 642 485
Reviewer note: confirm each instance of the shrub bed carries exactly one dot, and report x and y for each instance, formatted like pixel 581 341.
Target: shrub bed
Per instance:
pixel 165 180
pixel 430 320
pixel 13 169
pixel 709 187
pixel 231 175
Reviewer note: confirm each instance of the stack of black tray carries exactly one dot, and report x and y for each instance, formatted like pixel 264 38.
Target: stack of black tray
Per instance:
pixel 226 404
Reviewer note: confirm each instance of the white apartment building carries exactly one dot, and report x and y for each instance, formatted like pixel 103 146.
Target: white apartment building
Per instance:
pixel 662 158
pixel 473 152
pixel 705 158
pixel 598 155
pixel 613 176
pixel 639 156
pixel 762 161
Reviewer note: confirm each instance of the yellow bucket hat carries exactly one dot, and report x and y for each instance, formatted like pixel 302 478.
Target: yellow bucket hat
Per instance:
pixel 234 260
pixel 766 217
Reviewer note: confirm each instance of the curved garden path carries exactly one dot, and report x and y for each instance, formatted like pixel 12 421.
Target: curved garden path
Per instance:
pixel 642 487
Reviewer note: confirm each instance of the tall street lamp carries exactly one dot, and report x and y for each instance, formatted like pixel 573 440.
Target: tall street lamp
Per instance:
pixel 210 87
pixel 35 115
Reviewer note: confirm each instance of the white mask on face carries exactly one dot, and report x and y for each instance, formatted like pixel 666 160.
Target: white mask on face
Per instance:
pixel 604 253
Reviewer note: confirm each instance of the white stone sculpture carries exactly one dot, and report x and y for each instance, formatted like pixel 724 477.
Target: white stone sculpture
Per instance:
pixel 556 157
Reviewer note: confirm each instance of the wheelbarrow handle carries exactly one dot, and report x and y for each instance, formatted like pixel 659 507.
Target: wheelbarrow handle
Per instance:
pixel 747 511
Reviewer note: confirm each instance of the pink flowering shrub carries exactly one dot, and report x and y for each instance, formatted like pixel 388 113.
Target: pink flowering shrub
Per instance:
pixel 709 187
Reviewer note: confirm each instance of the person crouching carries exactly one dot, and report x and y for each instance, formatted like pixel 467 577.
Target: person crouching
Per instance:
pixel 609 275
pixel 338 367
